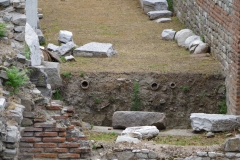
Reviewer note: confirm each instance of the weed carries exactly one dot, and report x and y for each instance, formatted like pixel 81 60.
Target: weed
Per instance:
pixel 67 74
pixel 94 147
pixel 16 78
pixel 170 5
pixel 202 38
pixel 92 126
pixel 96 99
pixel 104 137
pixel 43 42
pixel 2 29
pixel 63 59
pixel 27 51
pixel 111 100
pixel 223 107
pixel 185 89
pixel 81 74
pixel 137 103
pixel 57 95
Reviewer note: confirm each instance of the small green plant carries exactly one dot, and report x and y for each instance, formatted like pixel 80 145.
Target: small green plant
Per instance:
pixel 92 126
pixel 94 147
pixel 185 89
pixel 57 95
pixel 27 51
pixel 111 100
pixel 170 5
pixel 137 102
pixel 82 74
pixel 2 29
pixel 223 107
pixel 63 59
pixel 67 74
pixel 43 42
pixel 16 78
pixel 202 38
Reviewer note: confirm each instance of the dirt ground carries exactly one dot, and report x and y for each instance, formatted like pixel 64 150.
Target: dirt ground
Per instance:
pixel 122 23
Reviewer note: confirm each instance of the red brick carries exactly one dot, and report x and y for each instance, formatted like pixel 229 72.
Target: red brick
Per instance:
pixel 59 117
pixel 70 127
pixel 62 134
pixel 40 120
pixel 55 140
pixel 55 107
pixel 46 155
pixel 75 139
pixel 79 150
pixel 69 145
pixel 45 145
pixel 45 125
pixel 55 129
pixel 56 150
pixel 68 109
pixel 30 139
pixel 31 150
pixel 27 134
pixel 62 156
pixel 33 129
pixel 46 134
pixel 68 114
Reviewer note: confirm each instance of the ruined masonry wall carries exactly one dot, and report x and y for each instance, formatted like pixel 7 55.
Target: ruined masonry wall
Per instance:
pixel 219 22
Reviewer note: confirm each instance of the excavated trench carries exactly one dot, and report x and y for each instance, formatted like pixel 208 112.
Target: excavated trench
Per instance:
pixel 96 96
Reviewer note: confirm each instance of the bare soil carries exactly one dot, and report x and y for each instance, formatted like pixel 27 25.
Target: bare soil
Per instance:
pixel 122 23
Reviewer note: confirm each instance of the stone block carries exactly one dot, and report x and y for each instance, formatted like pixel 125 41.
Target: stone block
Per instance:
pixel 214 122
pixel 154 5
pixel 159 14
pixel 65 36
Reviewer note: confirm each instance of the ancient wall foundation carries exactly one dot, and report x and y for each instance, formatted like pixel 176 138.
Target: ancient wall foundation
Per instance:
pixel 218 22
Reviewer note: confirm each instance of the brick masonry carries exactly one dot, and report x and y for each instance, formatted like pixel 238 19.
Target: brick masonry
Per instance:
pixel 51 139
pixel 219 22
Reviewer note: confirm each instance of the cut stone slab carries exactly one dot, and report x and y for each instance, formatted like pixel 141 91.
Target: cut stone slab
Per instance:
pixel 32 41
pixel 52 69
pixel 65 36
pixel 52 47
pixel 193 45
pixel 154 5
pixel 214 122
pixel 159 14
pixel 168 34
pixel 142 132
pixel 95 49
pixel 163 20
pixel 19 19
pixel 182 35
pixel 190 39
pixel 38 77
pixel 127 139
pixel 124 119
pixel 65 48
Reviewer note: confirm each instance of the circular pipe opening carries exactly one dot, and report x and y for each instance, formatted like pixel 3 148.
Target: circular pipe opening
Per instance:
pixel 172 85
pixel 154 86
pixel 84 84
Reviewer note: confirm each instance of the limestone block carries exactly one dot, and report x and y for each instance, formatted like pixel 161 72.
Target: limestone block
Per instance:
pixel 182 35
pixel 168 34
pixel 145 132
pixel 154 5
pixel 159 14
pixel 124 119
pixel 95 49
pixel 190 39
pixel 127 139
pixel 52 47
pixel 65 36
pixel 214 122
pixel 12 134
pixel 163 20
pixel 65 48
pixel 4 3
pixel 201 48
pixel 232 144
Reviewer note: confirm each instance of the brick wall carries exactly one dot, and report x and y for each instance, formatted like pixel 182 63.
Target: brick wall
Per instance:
pixel 53 136
pixel 218 21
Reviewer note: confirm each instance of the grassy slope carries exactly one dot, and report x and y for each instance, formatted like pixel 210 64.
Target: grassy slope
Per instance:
pixel 122 23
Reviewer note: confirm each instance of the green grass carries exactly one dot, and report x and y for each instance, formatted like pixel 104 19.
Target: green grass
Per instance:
pixel 67 74
pixel 57 95
pixel 2 29
pixel 223 107
pixel 136 101
pixel 103 137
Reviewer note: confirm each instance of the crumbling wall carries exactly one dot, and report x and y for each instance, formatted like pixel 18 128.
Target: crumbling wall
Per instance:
pixel 218 22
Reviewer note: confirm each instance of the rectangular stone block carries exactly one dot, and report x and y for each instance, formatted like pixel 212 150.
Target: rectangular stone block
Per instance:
pixel 45 125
